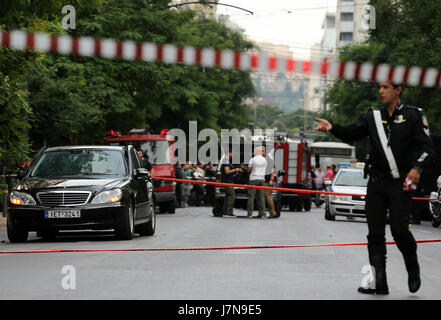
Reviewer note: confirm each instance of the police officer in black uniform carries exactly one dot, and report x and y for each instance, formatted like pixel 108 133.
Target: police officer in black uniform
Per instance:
pixel 400 146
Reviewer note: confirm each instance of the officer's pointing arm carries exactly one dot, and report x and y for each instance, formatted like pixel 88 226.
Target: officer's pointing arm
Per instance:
pixel 352 132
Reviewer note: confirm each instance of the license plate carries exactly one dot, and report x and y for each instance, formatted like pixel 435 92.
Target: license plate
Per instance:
pixel 50 214
pixel 359 207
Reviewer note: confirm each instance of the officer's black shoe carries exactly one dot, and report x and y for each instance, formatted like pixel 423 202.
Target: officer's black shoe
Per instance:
pixel 381 287
pixel 229 214
pixel 413 269
pixel 372 291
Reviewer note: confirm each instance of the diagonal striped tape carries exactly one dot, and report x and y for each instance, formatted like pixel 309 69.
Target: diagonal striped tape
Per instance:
pixel 211 57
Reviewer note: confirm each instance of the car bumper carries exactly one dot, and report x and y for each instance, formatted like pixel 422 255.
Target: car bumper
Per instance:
pixel 164 196
pixel 347 209
pixel 95 217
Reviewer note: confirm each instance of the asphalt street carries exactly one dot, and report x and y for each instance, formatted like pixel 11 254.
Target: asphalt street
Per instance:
pixel 324 273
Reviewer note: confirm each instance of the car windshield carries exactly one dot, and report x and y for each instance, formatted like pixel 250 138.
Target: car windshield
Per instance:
pixel 353 178
pixel 80 162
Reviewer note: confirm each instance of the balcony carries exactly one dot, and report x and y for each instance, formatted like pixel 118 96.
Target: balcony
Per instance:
pixel 346 26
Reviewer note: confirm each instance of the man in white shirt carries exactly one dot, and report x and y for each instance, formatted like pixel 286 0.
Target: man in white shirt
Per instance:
pixel 256 167
pixel 319 178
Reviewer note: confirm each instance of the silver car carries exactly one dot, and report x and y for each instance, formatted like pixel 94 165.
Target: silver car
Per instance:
pixel 347 180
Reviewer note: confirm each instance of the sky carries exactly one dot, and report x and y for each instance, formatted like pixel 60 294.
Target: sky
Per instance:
pixel 296 23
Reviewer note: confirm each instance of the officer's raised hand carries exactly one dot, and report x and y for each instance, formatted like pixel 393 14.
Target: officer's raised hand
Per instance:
pixel 324 125
pixel 414 176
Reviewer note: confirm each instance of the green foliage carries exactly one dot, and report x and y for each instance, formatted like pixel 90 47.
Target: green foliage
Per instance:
pixel 14 110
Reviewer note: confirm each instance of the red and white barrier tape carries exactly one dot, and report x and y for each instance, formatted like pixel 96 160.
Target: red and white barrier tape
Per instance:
pixel 207 248
pixel 303 191
pixel 210 57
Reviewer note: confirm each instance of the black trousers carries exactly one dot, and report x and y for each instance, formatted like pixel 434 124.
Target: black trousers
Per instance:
pixel 385 195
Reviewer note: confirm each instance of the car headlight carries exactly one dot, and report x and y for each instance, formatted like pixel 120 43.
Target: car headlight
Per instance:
pixel 342 198
pixel 21 198
pixel 109 196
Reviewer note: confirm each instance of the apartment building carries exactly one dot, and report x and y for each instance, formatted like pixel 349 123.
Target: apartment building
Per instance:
pixel 350 18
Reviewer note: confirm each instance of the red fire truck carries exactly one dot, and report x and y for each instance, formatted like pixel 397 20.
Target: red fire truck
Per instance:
pixel 159 149
pixel 294 158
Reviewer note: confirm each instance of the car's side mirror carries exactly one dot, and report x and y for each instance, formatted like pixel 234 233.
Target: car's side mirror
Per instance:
pixel 281 173
pixel 141 172
pixel 21 173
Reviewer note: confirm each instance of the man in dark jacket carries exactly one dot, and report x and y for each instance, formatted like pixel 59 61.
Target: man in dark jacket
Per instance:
pixel 399 148
pixel 145 162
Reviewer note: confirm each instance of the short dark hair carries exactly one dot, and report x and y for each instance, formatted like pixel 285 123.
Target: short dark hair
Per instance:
pixel 396 86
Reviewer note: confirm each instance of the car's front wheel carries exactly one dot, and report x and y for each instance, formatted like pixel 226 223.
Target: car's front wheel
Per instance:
pixel 16 233
pixel 328 215
pixel 148 229
pixel 126 229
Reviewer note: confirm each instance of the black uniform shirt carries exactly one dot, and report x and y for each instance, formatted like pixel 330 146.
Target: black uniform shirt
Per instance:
pixel 407 131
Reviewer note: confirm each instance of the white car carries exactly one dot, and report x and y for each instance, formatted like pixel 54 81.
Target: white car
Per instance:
pixel 347 180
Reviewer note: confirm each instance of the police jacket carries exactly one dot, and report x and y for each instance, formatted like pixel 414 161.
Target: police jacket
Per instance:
pixel 407 134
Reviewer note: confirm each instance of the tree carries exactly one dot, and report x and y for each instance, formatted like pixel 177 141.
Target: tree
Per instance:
pixel 15 110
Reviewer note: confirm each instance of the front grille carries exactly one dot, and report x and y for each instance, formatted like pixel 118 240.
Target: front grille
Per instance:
pixel 63 198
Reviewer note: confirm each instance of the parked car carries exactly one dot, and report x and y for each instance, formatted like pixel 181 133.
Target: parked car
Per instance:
pixel 347 180
pixel 83 188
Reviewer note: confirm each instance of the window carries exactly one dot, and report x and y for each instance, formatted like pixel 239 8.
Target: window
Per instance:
pixel 332 151
pixel 346 36
pixel 156 151
pixel 135 160
pixel 330 22
pixel 347 16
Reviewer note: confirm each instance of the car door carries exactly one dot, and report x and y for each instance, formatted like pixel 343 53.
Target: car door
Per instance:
pixel 140 185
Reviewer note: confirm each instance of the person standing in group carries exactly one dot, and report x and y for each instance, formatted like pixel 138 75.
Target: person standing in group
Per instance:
pixel 313 178
pixel 329 173
pixel 319 179
pixel 179 185
pixel 227 176
pixel 400 146
pixel 257 167
pixel 188 175
pixel 210 174
pixel 270 172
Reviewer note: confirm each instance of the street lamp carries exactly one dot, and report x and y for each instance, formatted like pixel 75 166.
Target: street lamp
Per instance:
pixel 203 2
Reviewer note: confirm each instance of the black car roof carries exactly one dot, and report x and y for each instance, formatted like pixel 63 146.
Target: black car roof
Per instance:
pixel 86 147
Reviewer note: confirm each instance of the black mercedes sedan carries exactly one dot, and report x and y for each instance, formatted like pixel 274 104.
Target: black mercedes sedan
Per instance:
pixel 83 188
